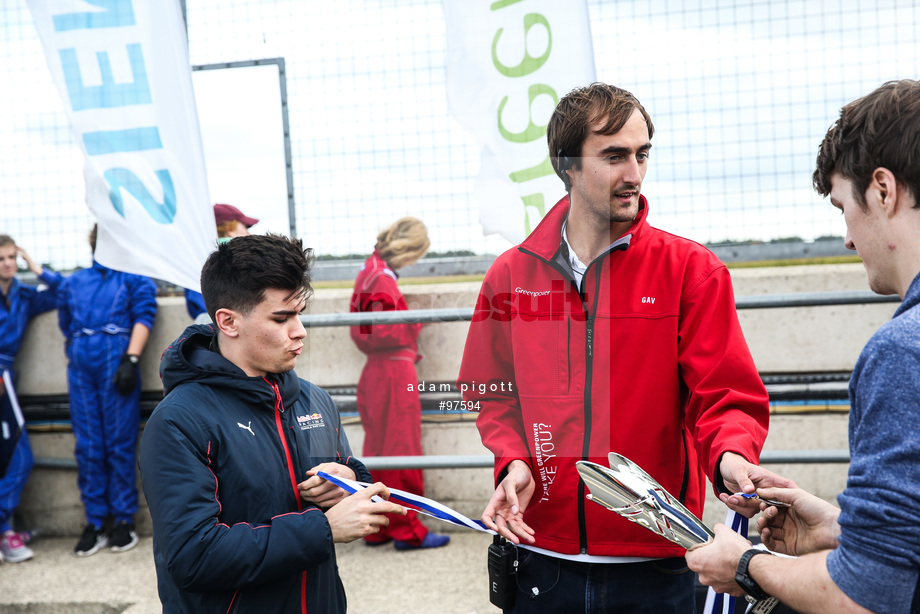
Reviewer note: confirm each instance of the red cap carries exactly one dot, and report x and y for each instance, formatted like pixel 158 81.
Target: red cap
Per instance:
pixel 227 213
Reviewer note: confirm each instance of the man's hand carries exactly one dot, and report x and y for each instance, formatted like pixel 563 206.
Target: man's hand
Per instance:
pixel 505 510
pixel 356 515
pixel 320 491
pixel 808 526
pixel 717 560
pixel 126 375
pixel 742 476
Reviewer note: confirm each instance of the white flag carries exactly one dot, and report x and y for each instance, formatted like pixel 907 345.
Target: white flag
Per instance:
pixel 509 62
pixel 122 69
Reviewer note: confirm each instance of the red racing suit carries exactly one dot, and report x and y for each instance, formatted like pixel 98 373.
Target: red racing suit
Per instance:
pixel 388 399
pixel 648 360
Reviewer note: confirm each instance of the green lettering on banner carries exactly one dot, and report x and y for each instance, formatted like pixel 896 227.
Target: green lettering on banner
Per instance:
pixel 529 64
pixel 533 131
pixel 502 4
pixel 533 201
pixel 534 172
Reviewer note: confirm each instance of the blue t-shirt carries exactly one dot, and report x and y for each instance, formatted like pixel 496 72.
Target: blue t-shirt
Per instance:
pixel 878 561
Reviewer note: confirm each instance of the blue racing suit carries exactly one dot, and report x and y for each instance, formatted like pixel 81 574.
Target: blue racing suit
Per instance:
pixel 16 309
pixel 97 309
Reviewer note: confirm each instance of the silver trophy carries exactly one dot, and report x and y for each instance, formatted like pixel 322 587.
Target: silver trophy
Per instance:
pixel 628 490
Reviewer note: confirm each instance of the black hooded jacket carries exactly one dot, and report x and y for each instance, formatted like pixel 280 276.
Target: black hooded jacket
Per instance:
pixel 220 460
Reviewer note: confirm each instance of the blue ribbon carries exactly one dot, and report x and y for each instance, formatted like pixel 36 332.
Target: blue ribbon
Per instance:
pixel 719 603
pixel 416 503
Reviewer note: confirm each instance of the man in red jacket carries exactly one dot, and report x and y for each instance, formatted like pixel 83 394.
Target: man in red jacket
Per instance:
pixel 600 333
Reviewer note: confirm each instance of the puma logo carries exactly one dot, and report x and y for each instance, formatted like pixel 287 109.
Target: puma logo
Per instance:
pixel 247 427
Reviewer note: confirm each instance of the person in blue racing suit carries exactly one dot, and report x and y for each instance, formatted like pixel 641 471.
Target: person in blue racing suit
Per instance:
pixel 106 317
pixel 18 304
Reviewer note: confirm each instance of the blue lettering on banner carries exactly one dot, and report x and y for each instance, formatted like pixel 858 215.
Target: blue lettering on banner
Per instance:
pixel 109 94
pixel 122 178
pixel 116 141
pixel 115 13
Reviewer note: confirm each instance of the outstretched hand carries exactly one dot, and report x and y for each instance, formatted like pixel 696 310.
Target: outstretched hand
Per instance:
pixel 358 515
pixel 809 525
pixel 741 476
pixel 505 510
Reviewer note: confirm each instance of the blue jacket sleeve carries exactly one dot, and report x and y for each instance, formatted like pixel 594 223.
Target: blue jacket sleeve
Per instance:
pixel 201 553
pixel 879 554
pixel 46 299
pixel 143 292
pixel 194 303
pixel 65 317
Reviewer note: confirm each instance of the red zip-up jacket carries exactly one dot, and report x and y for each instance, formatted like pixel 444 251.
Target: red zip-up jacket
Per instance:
pixel 649 361
pixel 376 290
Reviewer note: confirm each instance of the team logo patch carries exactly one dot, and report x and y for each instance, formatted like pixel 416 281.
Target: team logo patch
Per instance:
pixel 310 421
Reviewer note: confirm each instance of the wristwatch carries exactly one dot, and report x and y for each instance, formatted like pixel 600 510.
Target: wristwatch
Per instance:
pixel 744 579
pixel 133 358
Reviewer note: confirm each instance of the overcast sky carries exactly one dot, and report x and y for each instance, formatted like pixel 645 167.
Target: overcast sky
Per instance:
pixel 740 93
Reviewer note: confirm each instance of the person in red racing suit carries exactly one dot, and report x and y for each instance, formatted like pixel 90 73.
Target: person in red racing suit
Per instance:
pixel 388 399
pixel 602 334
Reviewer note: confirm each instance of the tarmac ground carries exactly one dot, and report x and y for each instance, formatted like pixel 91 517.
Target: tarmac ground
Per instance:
pixel 378 580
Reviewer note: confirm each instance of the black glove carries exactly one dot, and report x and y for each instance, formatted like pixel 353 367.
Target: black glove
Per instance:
pixel 126 374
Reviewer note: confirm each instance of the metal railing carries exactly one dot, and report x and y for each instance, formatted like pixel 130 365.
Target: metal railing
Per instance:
pixel 767 301
pixel 465 314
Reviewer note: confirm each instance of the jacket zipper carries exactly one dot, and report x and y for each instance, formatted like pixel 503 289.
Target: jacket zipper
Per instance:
pixel 284 444
pixel 589 382
pixel 589 368
pixel 290 465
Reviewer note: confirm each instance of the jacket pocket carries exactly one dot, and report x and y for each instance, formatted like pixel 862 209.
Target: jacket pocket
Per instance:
pixel 542 357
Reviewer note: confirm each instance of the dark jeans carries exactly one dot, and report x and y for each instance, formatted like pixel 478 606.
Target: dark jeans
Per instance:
pixel 547 584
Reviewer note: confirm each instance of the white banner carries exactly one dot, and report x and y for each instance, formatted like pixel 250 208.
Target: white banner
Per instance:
pixel 122 69
pixel 509 62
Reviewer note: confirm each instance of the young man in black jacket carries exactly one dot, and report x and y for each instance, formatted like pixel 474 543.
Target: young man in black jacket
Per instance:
pixel 241 521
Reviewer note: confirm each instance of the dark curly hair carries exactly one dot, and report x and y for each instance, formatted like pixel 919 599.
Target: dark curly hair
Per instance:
pixel 878 130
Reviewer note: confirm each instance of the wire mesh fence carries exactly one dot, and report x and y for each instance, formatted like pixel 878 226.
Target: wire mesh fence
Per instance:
pixel 741 93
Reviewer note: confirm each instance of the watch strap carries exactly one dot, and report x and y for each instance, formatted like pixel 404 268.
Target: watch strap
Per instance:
pixel 744 579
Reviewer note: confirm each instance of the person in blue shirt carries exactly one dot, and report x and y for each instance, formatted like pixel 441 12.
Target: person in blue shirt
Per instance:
pixel 106 317
pixel 18 304
pixel 865 555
